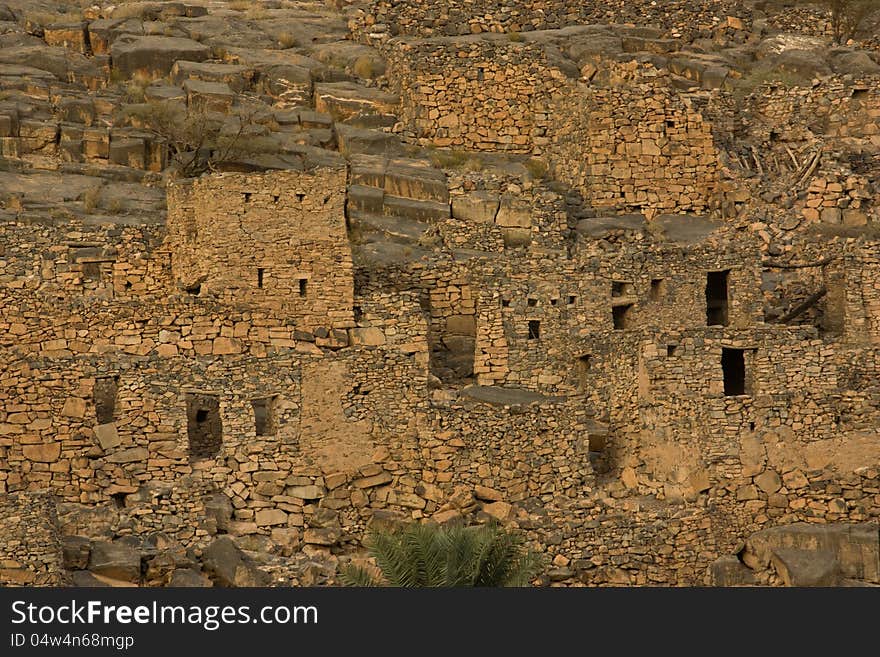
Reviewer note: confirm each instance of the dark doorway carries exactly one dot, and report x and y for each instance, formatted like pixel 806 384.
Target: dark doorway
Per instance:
pixel 584 364
pixel 104 396
pixel 203 426
pixel 620 316
pixel 716 298
pixel 733 365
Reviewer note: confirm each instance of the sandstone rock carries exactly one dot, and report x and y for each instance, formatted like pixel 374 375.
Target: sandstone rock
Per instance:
pixel 187 577
pixel 408 500
pixel 154 56
pixel 322 536
pixel 306 492
pixel 794 480
pixel 85 579
pixel 115 561
pixel 108 436
pixel 487 494
pixel 745 493
pixel 228 566
pixel 479 207
pixel 856 547
pixel 76 551
pixel 130 455
pixel 730 571
pixel 499 510
pixel 699 481
pixel 512 214
pixel 372 142
pixel 74 407
pixel 219 509
pixel 269 517
pixel 413 179
pixel 854 63
pixel 376 480
pixel 806 567
pixel 370 337
pixel 237 78
pixel 342 100
pixel 768 481
pixel 44 453
pixel 213 96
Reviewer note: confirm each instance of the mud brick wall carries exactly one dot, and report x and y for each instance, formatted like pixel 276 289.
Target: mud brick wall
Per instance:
pixel 474 95
pixel 30 543
pixel 275 241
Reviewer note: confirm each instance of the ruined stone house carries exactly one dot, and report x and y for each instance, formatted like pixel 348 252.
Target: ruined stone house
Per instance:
pixel 315 350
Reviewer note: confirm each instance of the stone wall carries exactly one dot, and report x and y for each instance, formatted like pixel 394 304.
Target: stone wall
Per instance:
pixel 281 245
pixel 607 436
pixel 474 95
pixel 627 141
pixel 831 130
pixel 380 18
pixel 30 544
pixel 620 136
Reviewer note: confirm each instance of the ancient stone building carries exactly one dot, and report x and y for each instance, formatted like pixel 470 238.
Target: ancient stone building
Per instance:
pixel 634 313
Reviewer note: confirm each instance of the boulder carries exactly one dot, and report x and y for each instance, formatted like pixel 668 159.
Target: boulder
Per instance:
pixel 213 96
pixel 478 207
pixel 228 566
pixel 854 63
pixel 85 579
pixel 189 578
pixel 115 561
pixel 372 142
pixel 343 100
pixel 806 567
pixel 239 78
pixel 856 548
pixel 76 551
pixel 154 56
pixel 67 35
pixel 513 213
pixel 218 509
pixel 730 571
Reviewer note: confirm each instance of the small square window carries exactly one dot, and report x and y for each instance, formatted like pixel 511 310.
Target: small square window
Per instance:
pixel 534 329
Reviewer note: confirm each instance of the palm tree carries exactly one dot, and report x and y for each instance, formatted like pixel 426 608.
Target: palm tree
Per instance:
pixel 428 555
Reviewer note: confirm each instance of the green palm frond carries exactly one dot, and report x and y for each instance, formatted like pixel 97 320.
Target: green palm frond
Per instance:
pixel 356 576
pixel 428 555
